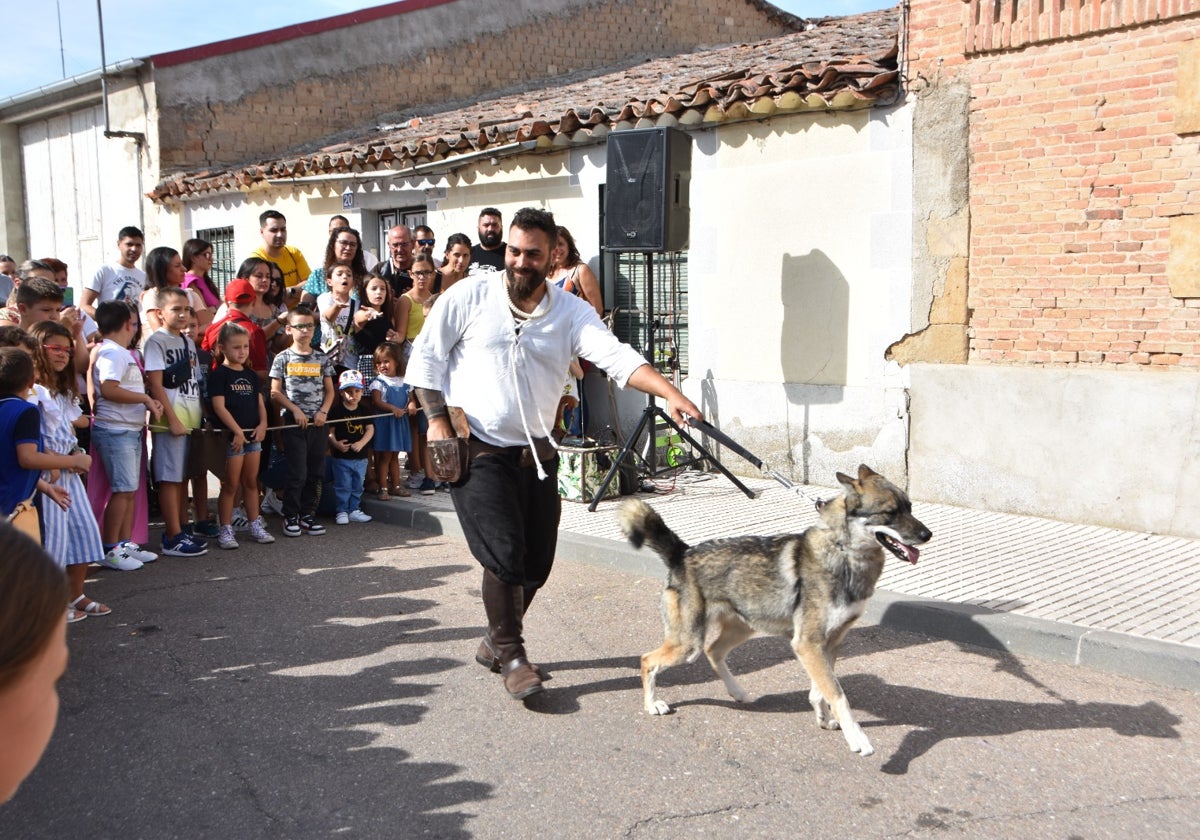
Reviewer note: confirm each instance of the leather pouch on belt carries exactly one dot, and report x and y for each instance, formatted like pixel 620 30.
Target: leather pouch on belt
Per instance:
pixel 447 459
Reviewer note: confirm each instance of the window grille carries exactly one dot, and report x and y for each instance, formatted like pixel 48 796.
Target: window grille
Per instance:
pixel 661 321
pixel 224 263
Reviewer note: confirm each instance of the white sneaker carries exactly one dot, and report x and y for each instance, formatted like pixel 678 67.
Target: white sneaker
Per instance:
pixel 342 518
pixel 259 532
pixel 225 539
pixel 271 503
pixel 415 479
pixel 138 553
pixel 359 516
pixel 118 559
pixel 240 521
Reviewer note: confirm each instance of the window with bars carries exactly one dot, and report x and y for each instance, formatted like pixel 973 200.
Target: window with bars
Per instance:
pixel 225 265
pixel 650 308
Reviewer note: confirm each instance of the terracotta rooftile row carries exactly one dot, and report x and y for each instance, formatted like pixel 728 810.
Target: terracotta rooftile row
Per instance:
pixel 837 64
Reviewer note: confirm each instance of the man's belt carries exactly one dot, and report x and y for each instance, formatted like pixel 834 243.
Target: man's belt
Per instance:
pixel 522 454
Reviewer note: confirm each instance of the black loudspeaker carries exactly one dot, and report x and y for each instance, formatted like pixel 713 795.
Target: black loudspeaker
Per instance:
pixel 646 193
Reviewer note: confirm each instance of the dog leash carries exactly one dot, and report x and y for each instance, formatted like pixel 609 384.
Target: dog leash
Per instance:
pixel 724 439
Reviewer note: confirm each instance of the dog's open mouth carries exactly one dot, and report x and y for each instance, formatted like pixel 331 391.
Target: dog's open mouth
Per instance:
pixel 907 553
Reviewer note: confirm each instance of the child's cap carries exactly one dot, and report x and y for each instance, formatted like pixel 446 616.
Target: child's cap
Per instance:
pixel 350 379
pixel 239 291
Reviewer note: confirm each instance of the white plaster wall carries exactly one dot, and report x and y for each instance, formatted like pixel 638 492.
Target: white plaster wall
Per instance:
pixel 799 280
pixel 1102 447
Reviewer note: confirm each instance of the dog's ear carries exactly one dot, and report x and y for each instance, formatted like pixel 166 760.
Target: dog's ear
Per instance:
pixel 865 472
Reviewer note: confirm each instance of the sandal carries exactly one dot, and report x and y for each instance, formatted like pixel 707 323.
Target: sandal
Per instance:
pixel 401 492
pixel 74 615
pixel 90 608
pixel 383 496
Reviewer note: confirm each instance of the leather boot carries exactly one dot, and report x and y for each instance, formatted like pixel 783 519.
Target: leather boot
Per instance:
pixel 486 654
pixel 504 605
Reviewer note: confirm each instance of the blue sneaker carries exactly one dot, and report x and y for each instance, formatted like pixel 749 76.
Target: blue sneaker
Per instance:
pixel 181 545
pixel 428 486
pixel 208 529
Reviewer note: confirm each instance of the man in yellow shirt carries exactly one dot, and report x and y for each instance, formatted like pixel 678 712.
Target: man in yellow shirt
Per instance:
pixel 273 226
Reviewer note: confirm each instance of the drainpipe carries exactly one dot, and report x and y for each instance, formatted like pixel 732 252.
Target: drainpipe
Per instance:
pixel 136 136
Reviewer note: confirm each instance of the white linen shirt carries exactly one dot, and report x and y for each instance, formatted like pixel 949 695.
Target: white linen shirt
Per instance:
pixel 470 347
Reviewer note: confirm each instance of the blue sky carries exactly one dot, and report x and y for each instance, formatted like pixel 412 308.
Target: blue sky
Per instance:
pixel 138 28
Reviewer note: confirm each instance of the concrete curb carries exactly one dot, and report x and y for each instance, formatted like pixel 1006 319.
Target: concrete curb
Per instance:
pixel 1153 660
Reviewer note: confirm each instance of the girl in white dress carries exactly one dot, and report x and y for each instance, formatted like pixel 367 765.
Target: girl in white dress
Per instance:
pixel 71 536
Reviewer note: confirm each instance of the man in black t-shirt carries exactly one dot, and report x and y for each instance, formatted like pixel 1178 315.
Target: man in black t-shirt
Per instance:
pixel 488 253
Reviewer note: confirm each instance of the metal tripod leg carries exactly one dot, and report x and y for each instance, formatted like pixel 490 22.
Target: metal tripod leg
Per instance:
pixel 706 455
pixel 647 413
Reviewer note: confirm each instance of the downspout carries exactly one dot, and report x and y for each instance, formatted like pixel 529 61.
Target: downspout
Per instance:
pixel 136 136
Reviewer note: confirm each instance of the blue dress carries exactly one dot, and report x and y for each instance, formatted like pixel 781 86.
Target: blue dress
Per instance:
pixel 391 433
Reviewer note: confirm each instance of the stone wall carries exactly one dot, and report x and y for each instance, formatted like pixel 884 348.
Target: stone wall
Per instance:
pixel 263 101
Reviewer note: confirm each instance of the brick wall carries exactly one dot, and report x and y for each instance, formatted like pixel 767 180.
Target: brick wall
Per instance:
pixel 1076 175
pixel 437 66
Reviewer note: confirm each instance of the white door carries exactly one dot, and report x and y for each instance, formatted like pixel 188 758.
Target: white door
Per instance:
pixel 62 190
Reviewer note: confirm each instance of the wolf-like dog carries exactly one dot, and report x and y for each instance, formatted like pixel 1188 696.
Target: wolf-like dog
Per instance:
pixel 810 586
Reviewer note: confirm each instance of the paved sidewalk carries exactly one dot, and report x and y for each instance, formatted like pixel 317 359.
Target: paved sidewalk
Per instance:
pixel 1122 602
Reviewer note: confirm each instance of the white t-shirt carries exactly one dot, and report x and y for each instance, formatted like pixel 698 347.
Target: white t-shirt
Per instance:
pixel 470 350
pixel 116 282
pixel 339 326
pixel 116 364
pixel 163 349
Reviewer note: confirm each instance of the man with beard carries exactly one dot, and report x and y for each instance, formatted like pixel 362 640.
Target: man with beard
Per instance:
pixel 488 253
pixel 400 255
pixel 272 226
pixel 498 344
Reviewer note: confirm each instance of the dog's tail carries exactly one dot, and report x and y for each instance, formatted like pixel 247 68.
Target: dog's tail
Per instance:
pixel 645 527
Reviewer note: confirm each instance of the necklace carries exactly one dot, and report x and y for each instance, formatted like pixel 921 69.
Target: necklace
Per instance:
pixel 540 311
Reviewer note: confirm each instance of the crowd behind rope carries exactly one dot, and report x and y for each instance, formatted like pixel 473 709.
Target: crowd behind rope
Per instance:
pixel 288 382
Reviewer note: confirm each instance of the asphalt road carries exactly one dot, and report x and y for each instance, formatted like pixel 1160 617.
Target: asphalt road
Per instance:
pixel 326 687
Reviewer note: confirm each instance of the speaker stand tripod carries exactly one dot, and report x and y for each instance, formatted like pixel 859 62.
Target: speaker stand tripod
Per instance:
pixel 651 414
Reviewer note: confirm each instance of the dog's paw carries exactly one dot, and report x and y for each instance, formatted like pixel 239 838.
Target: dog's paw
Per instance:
pixel 821 710
pixel 742 696
pixel 862 747
pixel 857 739
pixel 657 707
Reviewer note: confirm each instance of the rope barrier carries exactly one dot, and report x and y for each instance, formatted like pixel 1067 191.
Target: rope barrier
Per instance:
pixel 222 430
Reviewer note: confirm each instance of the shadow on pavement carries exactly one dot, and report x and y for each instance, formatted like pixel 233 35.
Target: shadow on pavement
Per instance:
pixel 238 695
pixel 936 717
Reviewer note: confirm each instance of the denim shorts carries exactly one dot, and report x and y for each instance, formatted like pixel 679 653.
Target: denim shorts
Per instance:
pixel 248 448
pixel 170 456
pixel 120 451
